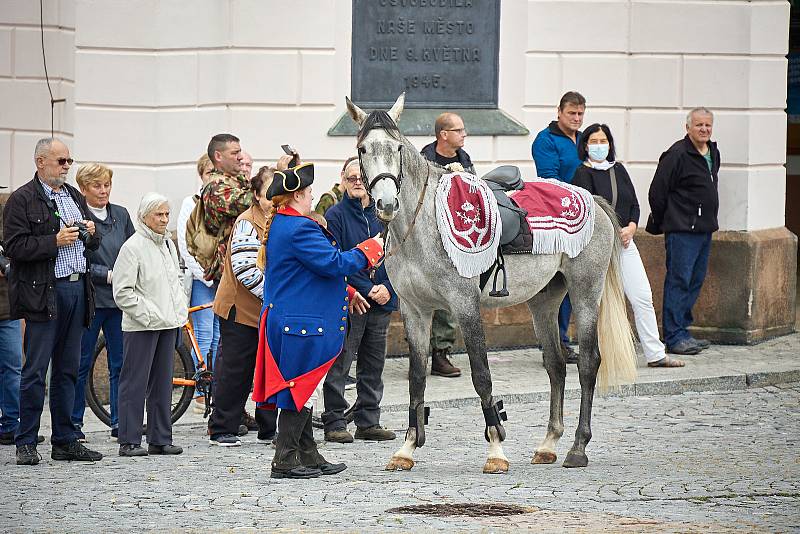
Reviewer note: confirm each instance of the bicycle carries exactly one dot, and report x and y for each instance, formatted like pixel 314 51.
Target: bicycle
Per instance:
pixel 187 376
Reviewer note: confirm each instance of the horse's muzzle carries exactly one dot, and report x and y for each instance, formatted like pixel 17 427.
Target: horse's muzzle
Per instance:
pixel 386 212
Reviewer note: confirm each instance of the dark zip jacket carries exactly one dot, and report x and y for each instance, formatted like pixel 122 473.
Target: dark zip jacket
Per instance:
pixel 429 153
pixel 114 231
pixel 351 224
pixel 683 195
pixel 30 226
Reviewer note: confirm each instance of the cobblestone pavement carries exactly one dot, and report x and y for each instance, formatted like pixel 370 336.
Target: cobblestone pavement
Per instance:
pixel 693 462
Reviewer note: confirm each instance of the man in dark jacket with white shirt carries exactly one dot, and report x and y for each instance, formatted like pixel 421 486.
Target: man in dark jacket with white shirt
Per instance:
pixel 352 221
pixel 684 203
pixel 47 233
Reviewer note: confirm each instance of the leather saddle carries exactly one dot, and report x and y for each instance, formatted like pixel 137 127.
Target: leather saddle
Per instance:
pixel 516 237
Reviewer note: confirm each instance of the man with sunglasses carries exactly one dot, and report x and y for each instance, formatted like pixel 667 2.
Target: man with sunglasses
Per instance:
pixel 352 221
pixel 49 288
pixel 448 151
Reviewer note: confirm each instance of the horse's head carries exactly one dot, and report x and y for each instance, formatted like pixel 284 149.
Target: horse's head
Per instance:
pixel 380 153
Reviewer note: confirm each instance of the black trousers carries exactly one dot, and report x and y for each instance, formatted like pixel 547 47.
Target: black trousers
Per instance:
pixel 233 374
pixel 147 365
pixel 366 337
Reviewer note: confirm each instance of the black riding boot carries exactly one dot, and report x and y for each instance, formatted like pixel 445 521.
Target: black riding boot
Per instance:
pixel 309 454
pixel 286 463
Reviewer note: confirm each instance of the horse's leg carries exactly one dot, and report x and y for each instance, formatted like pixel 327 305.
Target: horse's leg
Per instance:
pixel 544 308
pixel 469 318
pixel 585 310
pixel 418 332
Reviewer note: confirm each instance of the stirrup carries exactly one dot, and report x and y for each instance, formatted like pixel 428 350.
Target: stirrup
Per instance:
pixel 493 416
pixel 501 268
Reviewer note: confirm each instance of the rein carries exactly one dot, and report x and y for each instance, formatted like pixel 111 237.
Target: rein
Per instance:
pixel 385 232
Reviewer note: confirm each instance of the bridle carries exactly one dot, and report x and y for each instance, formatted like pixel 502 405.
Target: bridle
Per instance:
pixel 369 184
pixel 398 180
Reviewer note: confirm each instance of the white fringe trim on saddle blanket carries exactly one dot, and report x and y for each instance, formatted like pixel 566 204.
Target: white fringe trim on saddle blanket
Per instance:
pixel 560 216
pixel 469 222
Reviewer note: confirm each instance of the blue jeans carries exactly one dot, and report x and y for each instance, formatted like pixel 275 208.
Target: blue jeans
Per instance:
pixel 205 322
pixel 56 342
pixel 687 262
pixel 564 313
pixel 110 320
pixel 10 370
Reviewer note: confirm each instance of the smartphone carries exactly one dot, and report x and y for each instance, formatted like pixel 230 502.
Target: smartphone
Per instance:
pixel 290 151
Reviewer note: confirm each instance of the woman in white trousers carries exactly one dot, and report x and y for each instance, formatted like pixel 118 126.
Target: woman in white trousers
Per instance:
pixel 603 176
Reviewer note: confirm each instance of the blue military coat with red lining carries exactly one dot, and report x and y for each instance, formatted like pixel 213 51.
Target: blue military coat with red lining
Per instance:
pixel 306 297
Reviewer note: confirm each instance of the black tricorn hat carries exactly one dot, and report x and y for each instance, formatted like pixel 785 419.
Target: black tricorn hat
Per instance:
pixel 291 180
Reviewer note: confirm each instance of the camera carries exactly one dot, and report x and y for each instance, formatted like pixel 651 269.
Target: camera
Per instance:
pixel 5 264
pixel 83 231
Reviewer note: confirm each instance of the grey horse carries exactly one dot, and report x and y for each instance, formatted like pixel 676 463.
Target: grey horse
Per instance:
pixel 403 185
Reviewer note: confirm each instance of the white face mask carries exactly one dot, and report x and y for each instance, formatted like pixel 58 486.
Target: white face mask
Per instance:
pixel 598 152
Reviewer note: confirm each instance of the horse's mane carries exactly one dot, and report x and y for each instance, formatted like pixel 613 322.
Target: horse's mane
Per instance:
pixel 379 119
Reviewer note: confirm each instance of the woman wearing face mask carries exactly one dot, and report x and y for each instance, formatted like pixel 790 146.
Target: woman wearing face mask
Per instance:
pixel 603 176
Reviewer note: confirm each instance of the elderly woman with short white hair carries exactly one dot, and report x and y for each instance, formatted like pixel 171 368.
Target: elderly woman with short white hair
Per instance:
pixel 147 288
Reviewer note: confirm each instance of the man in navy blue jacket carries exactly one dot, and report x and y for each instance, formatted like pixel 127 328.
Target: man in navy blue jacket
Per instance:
pixel 555 152
pixel 352 221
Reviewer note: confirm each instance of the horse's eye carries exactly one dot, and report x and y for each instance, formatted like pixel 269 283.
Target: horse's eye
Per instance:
pixel 362 150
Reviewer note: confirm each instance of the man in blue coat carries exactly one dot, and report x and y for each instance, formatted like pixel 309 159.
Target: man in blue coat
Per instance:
pixel 352 221
pixel 555 152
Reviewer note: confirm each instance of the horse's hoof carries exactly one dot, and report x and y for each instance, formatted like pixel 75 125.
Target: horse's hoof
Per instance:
pixel 399 464
pixel 495 466
pixel 576 459
pixel 544 457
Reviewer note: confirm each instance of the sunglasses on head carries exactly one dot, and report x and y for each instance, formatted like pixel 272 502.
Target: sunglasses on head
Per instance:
pixel 62 161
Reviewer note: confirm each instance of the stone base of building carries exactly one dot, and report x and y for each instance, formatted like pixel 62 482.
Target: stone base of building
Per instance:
pixel 749 294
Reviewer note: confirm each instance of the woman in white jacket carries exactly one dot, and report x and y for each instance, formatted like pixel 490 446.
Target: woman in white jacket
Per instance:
pixel 147 288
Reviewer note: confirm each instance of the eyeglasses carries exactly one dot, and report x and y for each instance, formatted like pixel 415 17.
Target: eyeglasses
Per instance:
pixel 353 179
pixel 62 161
pixel 462 131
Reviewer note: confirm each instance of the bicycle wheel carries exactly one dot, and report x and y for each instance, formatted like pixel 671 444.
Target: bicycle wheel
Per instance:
pixel 183 367
pixel 98 388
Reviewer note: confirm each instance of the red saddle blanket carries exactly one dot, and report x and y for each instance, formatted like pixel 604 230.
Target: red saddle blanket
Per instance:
pixel 560 216
pixel 468 221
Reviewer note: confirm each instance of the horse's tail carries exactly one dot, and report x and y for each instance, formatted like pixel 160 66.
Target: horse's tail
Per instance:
pixel 614 335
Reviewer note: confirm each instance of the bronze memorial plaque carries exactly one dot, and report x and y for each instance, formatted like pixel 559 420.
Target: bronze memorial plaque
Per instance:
pixel 442 53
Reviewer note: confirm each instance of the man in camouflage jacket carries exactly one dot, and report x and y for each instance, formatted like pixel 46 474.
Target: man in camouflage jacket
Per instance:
pixel 225 196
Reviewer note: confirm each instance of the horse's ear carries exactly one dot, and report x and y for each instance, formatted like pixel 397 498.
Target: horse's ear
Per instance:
pixel 356 112
pixel 397 108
